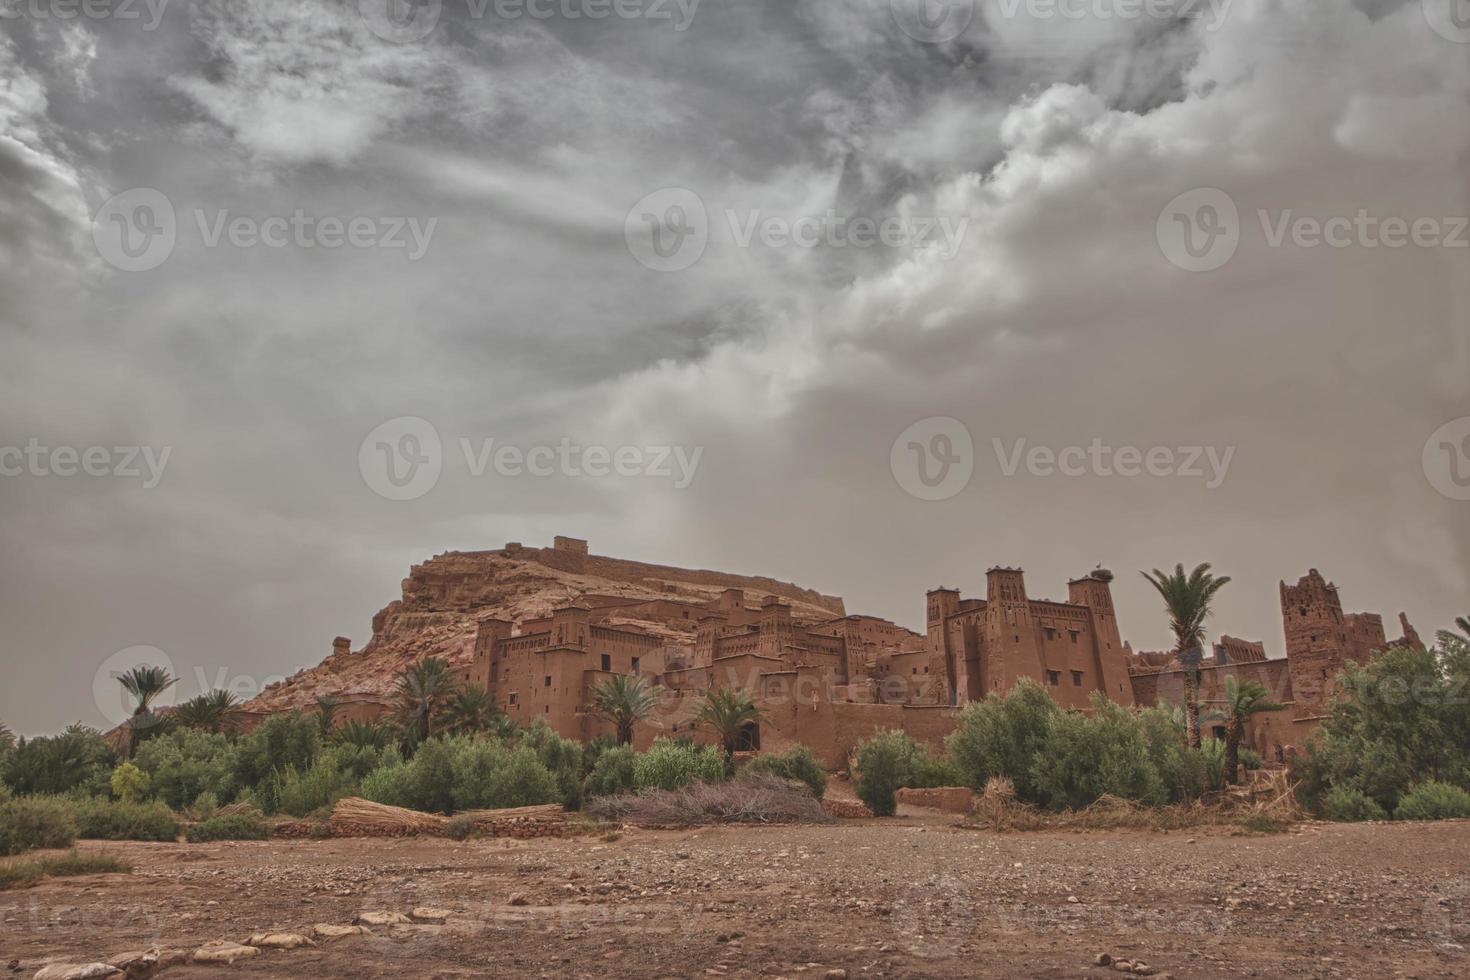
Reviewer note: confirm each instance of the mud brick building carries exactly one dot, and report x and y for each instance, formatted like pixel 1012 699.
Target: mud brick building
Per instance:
pixel 540 628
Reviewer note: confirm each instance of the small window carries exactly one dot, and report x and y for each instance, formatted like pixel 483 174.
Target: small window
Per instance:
pixel 1053 677
pixel 548 680
pixel 635 665
pixel 607 661
pixel 1073 634
pixel 1051 634
pixel 1076 678
pixel 515 699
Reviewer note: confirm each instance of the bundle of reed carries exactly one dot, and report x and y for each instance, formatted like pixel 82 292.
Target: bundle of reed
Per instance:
pixel 356 817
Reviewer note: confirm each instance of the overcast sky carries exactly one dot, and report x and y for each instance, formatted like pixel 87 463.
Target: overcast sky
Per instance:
pixel 579 229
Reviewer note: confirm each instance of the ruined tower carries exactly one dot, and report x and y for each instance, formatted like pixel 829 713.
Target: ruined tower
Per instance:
pixel 1010 651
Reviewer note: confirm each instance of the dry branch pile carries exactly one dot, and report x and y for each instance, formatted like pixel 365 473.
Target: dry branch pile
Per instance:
pixel 749 799
pixel 547 820
pixel 356 817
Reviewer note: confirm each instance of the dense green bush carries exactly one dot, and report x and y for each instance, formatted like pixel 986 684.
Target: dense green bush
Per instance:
pixel 35 821
pixel 183 764
pixel 1088 756
pixel 299 793
pixel 1066 759
pixel 1002 736
pixel 1433 801
pixel 612 774
pixel 885 763
pixel 279 743
pixel 78 760
pixel 1403 719
pixel 561 756
pixel 425 782
pixel 229 826
pixel 491 774
pixel 796 763
pixel 672 764
pixel 123 820
pixel 931 771
pixel 1351 805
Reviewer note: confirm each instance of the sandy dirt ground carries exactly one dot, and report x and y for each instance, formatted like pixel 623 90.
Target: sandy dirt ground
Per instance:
pixel 915 896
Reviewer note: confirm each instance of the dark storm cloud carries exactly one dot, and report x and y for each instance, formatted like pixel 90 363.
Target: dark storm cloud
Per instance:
pixel 528 320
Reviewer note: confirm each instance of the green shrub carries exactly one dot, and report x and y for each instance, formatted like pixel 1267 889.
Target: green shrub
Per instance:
pixel 1002 736
pixel 885 763
pixel 31 822
pixel 592 751
pixel 931 772
pixel 796 763
pixel 1212 753
pixel 1182 769
pixel 279 743
pixel 122 820
pixel 425 782
pixel 1433 801
pixel 459 828
pixel 1250 758
pixel 490 774
pixel 299 793
pixel 79 759
pixel 1402 719
pixel 129 783
pixel 183 764
pixel 1351 805
pixel 229 826
pixel 1089 756
pixel 561 756
pixel 672 765
pixel 612 773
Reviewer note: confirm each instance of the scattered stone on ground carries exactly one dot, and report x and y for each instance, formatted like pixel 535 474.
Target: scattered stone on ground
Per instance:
pixel 223 951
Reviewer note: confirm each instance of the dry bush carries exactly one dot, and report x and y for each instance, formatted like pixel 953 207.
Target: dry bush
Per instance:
pixel 1269 806
pixel 752 799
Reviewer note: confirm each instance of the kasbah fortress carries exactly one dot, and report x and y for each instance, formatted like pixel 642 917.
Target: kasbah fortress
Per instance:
pixel 540 628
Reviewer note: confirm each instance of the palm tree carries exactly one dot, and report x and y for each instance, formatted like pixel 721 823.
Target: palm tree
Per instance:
pixel 1187 599
pixel 144 683
pixel 212 711
pixel 362 734
pixel 728 713
pixel 1242 701
pixel 326 713
pixel 472 711
pixel 423 690
pixel 625 700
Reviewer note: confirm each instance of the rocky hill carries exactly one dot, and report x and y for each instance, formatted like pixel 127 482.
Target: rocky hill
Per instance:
pixel 445 597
